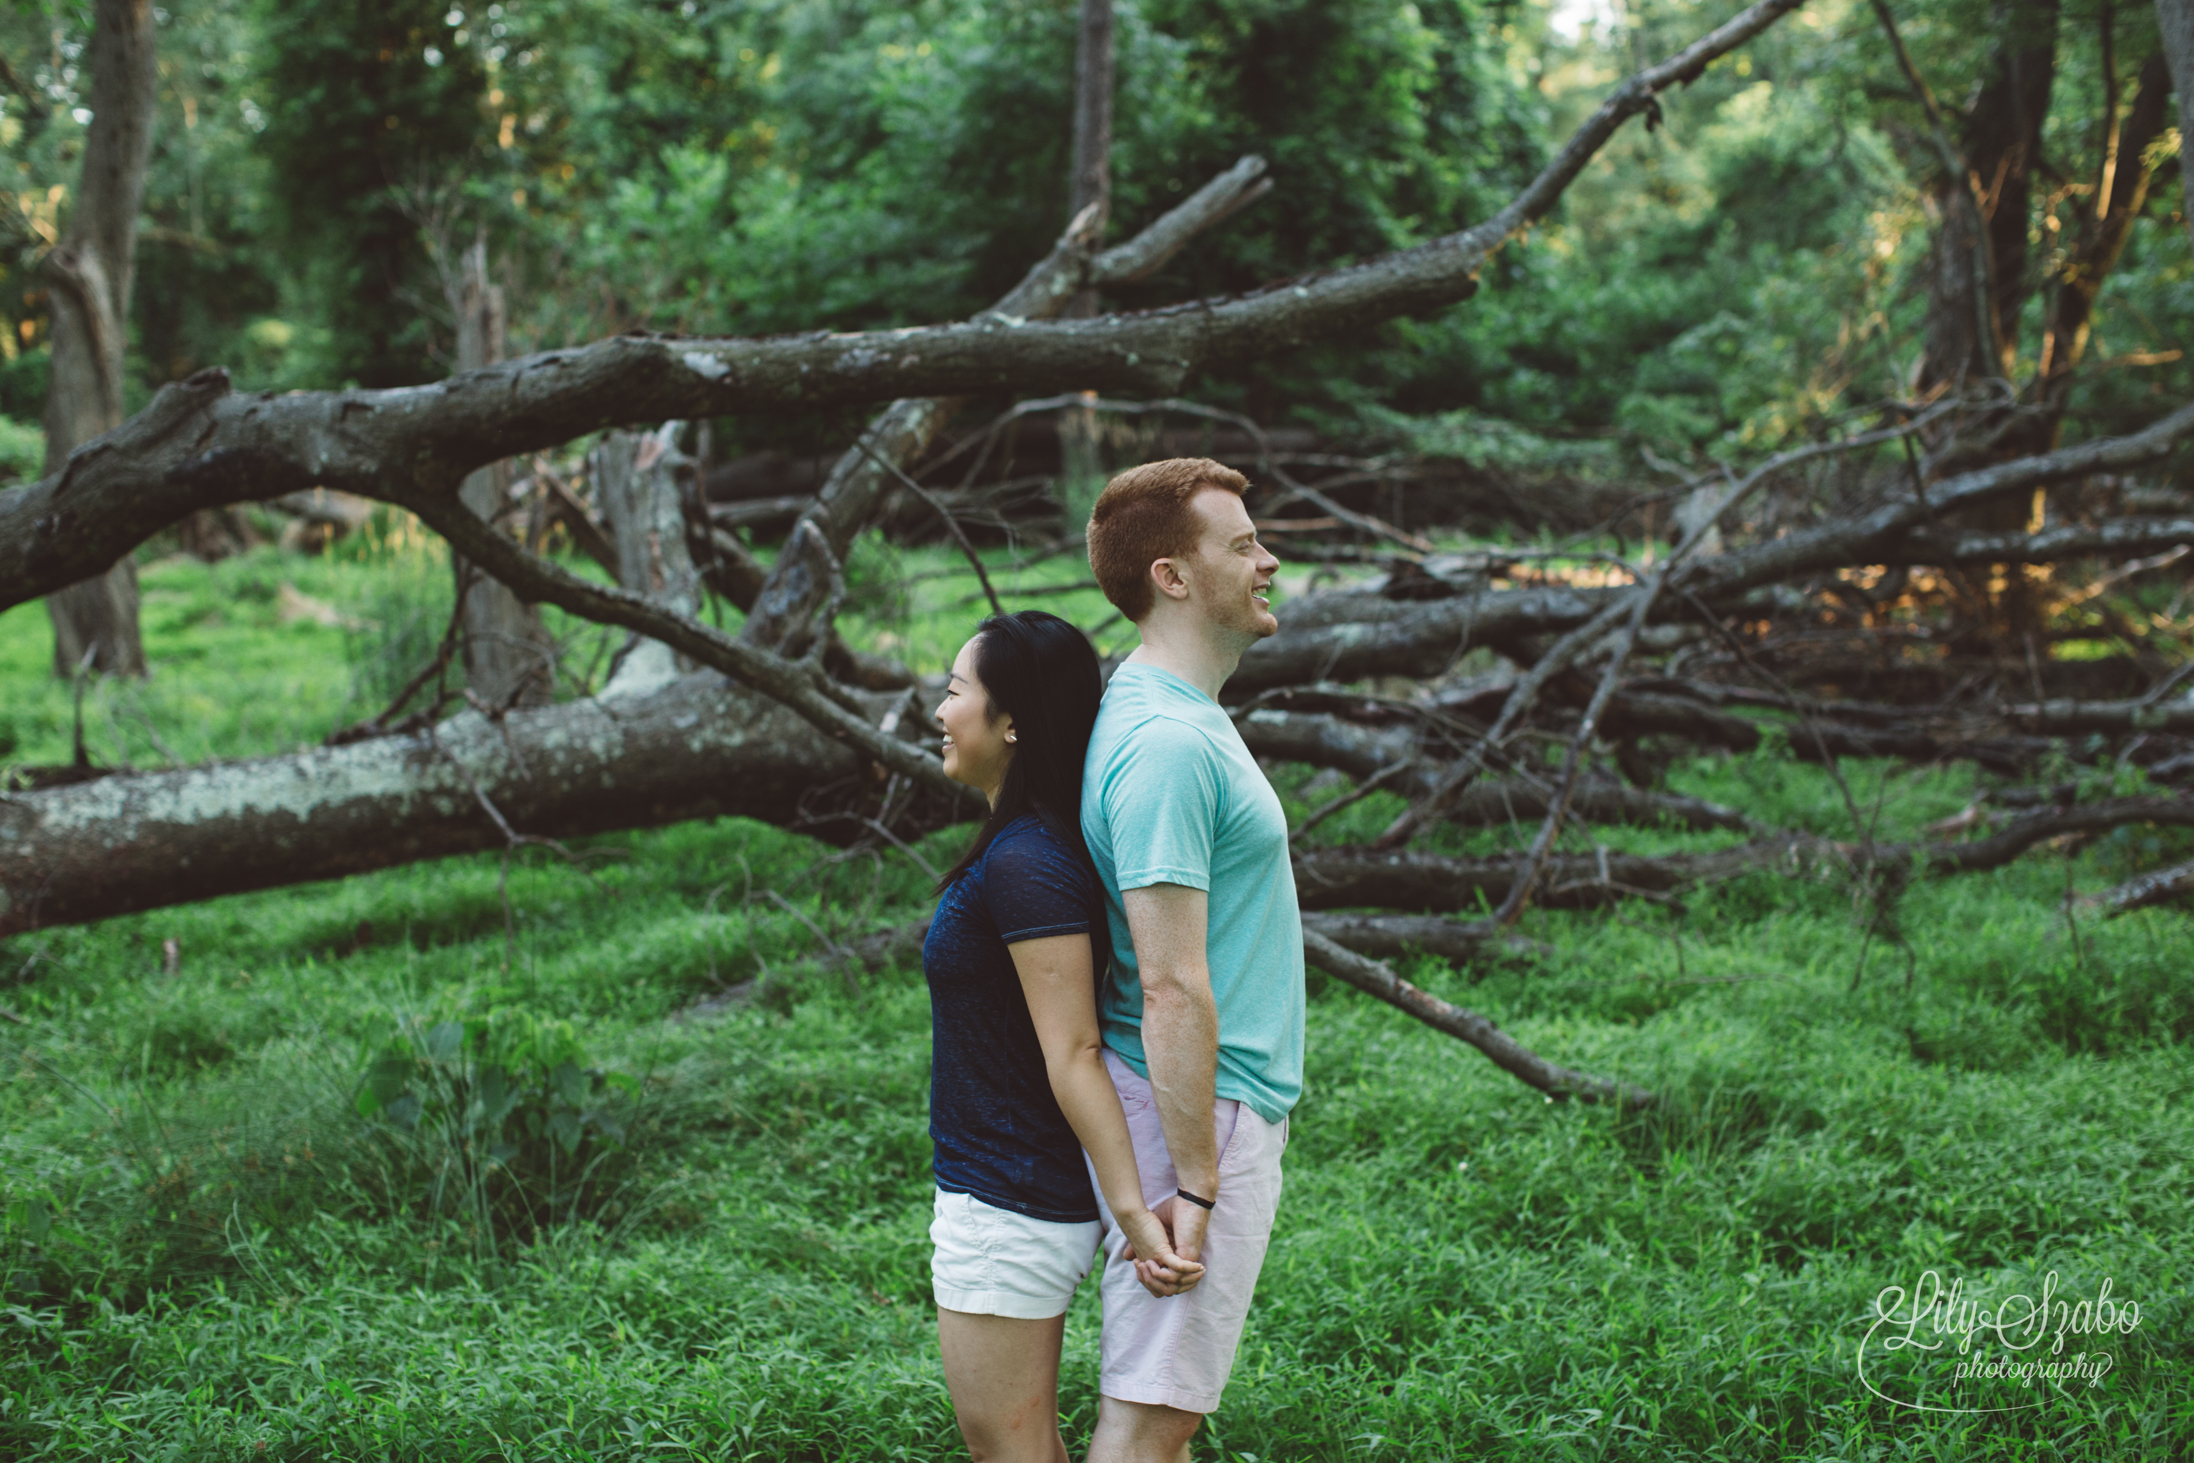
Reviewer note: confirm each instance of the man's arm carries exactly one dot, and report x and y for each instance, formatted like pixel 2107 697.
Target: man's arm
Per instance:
pixel 1058 979
pixel 1180 1042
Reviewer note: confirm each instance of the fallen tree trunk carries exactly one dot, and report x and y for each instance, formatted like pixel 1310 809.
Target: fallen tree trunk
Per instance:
pixel 701 747
pixel 1357 877
pixel 2158 886
pixel 1361 877
pixel 1395 756
pixel 1387 936
pixel 695 747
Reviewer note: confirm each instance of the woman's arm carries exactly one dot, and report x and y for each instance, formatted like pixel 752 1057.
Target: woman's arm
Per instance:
pixel 1056 976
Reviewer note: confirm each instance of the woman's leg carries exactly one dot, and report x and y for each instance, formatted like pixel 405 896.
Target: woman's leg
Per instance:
pixel 1004 1377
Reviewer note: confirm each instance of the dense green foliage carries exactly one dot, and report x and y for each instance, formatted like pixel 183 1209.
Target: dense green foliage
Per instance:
pixel 221 1242
pixel 1741 273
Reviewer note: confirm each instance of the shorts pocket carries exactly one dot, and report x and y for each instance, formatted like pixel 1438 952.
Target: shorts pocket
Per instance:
pixel 1228 1149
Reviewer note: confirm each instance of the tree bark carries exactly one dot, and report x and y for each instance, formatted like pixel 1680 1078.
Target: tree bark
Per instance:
pixel 1089 188
pixel 1973 314
pixel 1977 265
pixel 1091 180
pixel 2072 305
pixel 635 485
pixel 95 618
pixel 695 747
pixel 509 658
pixel 2158 886
pixel 2175 21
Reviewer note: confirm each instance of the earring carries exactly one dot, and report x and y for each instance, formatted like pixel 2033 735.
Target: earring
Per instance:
pixel 1009 739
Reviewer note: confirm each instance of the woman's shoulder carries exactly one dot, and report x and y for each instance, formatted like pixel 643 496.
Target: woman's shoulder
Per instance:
pixel 1021 828
pixel 1029 843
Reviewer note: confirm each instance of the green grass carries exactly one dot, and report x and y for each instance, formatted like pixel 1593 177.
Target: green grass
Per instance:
pixel 236 1268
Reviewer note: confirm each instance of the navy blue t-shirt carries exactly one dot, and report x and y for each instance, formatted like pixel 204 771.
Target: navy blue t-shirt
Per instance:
pixel 999 1133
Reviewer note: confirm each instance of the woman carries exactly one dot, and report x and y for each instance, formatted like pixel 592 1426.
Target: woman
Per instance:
pixel 1018 1089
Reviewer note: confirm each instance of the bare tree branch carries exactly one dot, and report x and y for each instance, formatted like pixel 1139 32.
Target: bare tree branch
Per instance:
pixel 1510 1055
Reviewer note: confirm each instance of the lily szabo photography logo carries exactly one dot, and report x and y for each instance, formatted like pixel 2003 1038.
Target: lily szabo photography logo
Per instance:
pixel 1943 1348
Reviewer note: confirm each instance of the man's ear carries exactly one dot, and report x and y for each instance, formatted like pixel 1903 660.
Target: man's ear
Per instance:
pixel 1165 574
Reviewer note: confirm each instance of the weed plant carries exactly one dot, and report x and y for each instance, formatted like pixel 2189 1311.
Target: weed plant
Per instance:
pixel 716 1248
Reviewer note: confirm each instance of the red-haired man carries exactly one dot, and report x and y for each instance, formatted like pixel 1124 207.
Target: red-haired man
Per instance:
pixel 1202 1015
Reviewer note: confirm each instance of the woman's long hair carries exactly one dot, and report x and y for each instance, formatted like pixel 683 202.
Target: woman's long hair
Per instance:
pixel 1041 671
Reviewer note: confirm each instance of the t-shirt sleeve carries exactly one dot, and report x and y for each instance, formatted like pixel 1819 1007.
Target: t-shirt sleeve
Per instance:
pixel 1034 886
pixel 1161 798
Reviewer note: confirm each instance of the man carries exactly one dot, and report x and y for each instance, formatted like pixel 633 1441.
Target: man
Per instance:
pixel 1202 1015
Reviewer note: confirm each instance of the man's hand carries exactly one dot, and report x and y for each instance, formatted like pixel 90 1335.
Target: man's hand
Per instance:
pixel 1159 1263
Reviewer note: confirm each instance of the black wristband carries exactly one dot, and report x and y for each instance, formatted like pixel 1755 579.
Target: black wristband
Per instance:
pixel 1199 1203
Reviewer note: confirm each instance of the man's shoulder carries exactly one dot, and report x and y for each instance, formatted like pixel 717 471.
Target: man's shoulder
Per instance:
pixel 1155 731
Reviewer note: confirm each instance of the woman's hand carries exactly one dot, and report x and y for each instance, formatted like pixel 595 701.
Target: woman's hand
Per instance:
pixel 1162 1271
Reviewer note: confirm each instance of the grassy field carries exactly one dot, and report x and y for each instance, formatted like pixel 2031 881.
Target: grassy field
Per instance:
pixel 250 1211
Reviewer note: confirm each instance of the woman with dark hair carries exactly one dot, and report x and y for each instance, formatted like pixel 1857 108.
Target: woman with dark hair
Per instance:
pixel 1018 1088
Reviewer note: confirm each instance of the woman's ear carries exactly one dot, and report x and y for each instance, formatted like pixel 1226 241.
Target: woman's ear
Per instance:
pixel 1009 731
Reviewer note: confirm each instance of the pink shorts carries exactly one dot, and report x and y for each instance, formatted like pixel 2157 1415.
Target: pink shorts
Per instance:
pixel 1177 1352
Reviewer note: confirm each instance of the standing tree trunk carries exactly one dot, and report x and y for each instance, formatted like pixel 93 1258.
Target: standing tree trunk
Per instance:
pixel 2121 189
pixel 509 660
pixel 1971 338
pixel 1089 183
pixel 1092 178
pixel 1977 277
pixel 95 621
pixel 2175 19
pixel 635 484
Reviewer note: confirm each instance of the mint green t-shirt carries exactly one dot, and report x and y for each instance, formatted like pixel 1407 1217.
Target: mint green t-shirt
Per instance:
pixel 1171 796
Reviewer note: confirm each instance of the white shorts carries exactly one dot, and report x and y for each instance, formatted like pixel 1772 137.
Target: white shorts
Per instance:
pixel 992 1262
pixel 1178 1352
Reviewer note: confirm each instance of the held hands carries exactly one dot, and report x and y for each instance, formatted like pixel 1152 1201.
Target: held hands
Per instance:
pixel 1165 1259
pixel 1166 1245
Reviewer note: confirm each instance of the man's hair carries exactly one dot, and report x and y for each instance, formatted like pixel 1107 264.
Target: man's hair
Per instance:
pixel 1143 516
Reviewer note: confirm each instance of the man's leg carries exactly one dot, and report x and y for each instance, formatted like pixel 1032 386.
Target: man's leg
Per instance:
pixel 1004 1377
pixel 1141 1432
pixel 1166 1361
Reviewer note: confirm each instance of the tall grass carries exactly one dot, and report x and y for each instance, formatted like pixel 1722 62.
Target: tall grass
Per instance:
pixel 208 1250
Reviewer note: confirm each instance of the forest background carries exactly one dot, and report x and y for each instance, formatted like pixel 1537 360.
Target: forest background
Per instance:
pixel 212 1249
pixel 747 169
